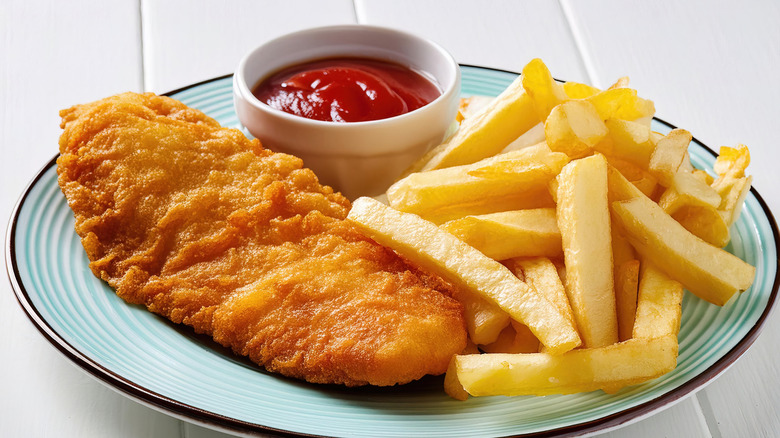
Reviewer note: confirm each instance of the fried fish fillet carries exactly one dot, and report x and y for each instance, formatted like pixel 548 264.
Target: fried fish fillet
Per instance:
pixel 207 228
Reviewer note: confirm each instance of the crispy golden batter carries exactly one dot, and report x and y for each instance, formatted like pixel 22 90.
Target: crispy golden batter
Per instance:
pixel 209 229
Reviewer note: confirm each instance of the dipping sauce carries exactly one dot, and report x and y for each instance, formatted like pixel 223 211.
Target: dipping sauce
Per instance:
pixel 347 89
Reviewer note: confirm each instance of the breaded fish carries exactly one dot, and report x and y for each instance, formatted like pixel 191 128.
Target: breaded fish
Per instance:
pixel 209 229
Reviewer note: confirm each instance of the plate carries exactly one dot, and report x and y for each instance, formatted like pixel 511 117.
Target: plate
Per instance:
pixel 174 370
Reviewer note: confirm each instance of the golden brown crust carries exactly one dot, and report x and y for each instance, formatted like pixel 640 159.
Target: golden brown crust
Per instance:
pixel 209 229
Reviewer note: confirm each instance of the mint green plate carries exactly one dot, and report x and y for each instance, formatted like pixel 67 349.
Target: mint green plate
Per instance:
pixel 170 368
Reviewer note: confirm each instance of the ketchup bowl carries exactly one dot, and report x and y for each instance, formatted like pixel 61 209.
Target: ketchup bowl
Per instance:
pixel 358 158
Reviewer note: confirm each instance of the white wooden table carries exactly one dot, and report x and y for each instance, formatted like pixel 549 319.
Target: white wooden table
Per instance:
pixel 709 66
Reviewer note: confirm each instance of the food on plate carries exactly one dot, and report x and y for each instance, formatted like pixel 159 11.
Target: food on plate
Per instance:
pixel 625 270
pixel 659 304
pixel 574 128
pixel 511 181
pixel 489 131
pixel 732 183
pixel 207 228
pixel 706 270
pixel 602 218
pixel 583 218
pixel 579 370
pixel 438 251
pixel 541 249
pixel 508 234
pixel 346 89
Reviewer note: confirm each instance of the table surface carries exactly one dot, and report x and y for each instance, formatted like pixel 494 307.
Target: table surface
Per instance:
pixel 709 67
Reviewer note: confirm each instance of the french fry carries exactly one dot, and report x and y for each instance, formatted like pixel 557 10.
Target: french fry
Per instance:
pixel 574 128
pixel 622 82
pixel 734 198
pixel 490 130
pixel 540 86
pixel 504 235
pixel 695 209
pixel 659 304
pixel 583 219
pixel 707 223
pixel 732 184
pixel 626 291
pixel 533 198
pixel 629 141
pixel 626 277
pixel 542 274
pixel 639 177
pixel 576 90
pixel 691 190
pixel 514 178
pixel 709 272
pixel 452 385
pixel 621 103
pixel 434 249
pixel 581 370
pixel 484 321
pixel 668 154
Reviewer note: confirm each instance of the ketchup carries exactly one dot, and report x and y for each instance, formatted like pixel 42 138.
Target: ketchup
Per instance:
pixel 346 90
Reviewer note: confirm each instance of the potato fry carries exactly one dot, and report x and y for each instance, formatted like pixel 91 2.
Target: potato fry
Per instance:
pixel 583 219
pixel 659 304
pixel 629 141
pixel 622 82
pixel 452 385
pixel 694 207
pixel 626 291
pixel 709 272
pixel 581 370
pixel 438 251
pixel 542 274
pixel 688 189
pixel 504 235
pixel 732 161
pixel 668 154
pixel 516 178
pixel 707 223
pixel 693 191
pixel 533 198
pixel 640 178
pixel 576 90
pixel 573 128
pixel 490 130
pixel 734 198
pixel 540 86
pixel 484 321
pixel 621 103
pixel 732 184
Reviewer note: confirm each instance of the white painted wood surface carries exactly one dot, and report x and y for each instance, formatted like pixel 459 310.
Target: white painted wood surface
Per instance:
pixel 709 66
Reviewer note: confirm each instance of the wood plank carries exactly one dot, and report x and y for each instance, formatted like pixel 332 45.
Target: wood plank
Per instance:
pixel 503 34
pixel 190 41
pixel 56 54
pixel 682 419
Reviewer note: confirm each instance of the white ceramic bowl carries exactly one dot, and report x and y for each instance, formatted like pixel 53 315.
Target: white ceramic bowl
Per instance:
pixel 357 158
